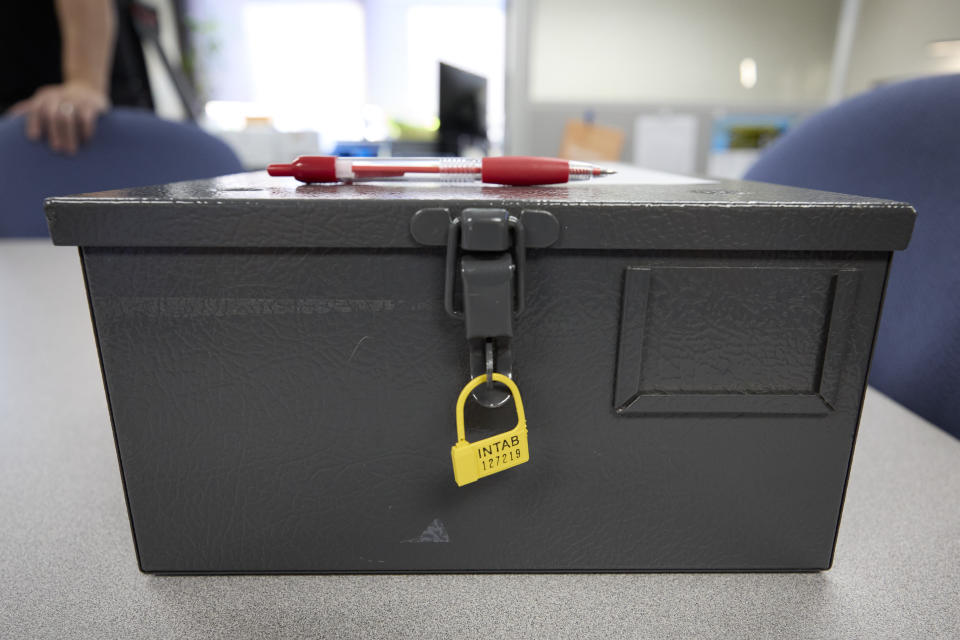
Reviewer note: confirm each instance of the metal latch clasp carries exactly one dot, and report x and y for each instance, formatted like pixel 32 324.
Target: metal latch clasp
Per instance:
pixel 486 252
pixel 486 260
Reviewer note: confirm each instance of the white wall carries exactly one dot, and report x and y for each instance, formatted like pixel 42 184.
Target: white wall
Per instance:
pixel 892 37
pixel 680 51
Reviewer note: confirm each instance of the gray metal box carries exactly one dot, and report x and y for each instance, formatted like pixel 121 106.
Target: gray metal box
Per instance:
pixel 281 371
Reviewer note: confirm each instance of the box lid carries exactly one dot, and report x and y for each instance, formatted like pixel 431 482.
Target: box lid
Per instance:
pixel 255 210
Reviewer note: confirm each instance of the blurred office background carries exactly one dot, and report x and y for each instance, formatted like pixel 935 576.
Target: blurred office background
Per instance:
pixel 689 86
pixel 686 86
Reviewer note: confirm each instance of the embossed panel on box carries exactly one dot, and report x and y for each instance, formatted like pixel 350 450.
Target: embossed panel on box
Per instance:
pixel 732 339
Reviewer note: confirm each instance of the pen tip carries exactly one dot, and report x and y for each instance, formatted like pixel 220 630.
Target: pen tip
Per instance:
pixel 600 171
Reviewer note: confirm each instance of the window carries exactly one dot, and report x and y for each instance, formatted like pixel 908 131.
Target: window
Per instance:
pixel 333 66
pixel 300 63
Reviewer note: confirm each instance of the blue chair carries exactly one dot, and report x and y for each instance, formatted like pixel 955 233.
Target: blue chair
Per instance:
pixel 900 142
pixel 130 148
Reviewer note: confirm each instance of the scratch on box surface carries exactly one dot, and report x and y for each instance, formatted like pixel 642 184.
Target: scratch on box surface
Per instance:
pixel 354 352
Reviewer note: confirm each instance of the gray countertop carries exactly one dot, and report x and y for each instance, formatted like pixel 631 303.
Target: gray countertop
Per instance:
pixel 68 569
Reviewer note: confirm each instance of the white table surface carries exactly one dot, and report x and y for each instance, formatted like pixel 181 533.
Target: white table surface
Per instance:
pixel 67 564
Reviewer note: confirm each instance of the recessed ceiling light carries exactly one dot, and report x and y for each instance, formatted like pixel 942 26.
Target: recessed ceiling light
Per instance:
pixel 748 73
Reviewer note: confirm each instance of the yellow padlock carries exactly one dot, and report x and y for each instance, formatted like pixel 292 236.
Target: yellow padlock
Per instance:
pixel 475 460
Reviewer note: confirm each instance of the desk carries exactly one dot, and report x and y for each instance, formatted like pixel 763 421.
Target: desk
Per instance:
pixel 67 565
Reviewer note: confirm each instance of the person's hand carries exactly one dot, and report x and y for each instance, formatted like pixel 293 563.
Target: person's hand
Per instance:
pixel 64 114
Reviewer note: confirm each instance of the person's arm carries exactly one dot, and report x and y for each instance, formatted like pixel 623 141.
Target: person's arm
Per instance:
pixel 66 114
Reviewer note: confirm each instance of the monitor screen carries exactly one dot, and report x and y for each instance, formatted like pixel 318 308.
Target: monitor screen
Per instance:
pixel 463 108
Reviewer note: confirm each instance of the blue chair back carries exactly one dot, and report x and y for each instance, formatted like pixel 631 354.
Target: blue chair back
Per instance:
pixel 900 142
pixel 131 148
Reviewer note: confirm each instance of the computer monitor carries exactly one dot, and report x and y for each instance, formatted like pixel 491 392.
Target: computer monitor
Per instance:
pixel 463 110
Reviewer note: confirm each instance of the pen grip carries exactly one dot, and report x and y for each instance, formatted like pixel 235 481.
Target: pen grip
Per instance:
pixel 525 170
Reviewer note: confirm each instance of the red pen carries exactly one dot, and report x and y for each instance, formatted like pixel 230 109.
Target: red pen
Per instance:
pixel 507 170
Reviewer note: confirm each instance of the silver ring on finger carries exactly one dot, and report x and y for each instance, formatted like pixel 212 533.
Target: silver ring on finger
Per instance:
pixel 66 108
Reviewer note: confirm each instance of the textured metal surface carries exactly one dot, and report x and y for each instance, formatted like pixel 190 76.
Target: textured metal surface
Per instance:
pixel 281 373
pixel 254 210
pixel 689 339
pixel 291 410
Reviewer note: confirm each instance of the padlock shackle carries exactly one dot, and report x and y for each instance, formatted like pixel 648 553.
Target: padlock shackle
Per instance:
pixel 476 382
